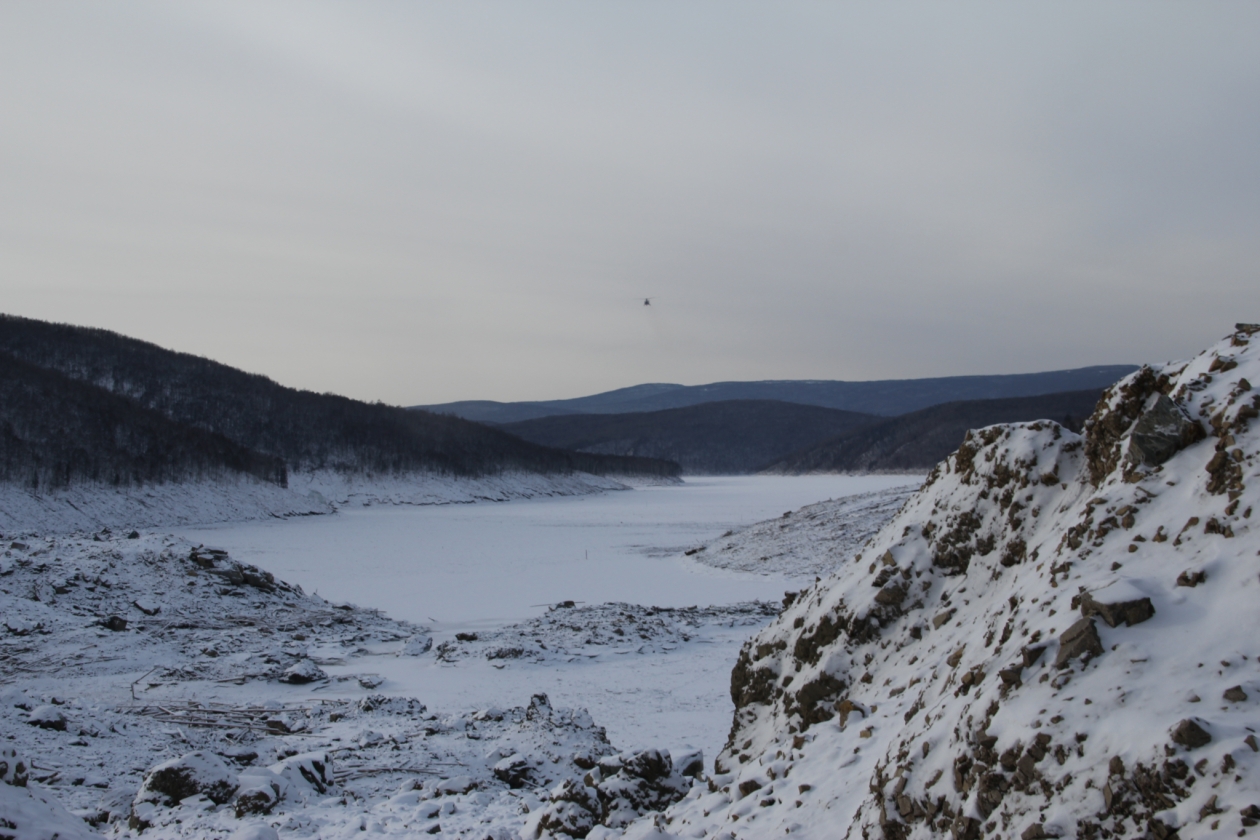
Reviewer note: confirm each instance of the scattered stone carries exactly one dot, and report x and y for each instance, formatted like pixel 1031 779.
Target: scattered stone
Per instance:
pixel 114 623
pixel 1080 641
pixel 1235 694
pixel 1191 579
pixel 416 645
pixel 941 618
pixel 1190 735
pixel 1032 654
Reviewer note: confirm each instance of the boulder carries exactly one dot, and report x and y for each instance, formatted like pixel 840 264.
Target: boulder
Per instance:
pixel 455 786
pixel 514 771
pixel 197 773
pixel 690 762
pixel 259 792
pixel 301 672
pixel 13 768
pixel 1162 431
pixel 1190 735
pixel 304 774
pixel 1120 603
pixel 114 623
pixel 1079 641
pixel 1235 694
pixel 47 717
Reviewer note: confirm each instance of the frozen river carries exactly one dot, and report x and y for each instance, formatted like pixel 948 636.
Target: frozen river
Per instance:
pixel 471 567
pixel 492 563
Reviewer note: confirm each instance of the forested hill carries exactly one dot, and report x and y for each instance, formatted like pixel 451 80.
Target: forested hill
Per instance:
pixel 308 431
pixel 720 438
pixel 55 431
pixel 917 441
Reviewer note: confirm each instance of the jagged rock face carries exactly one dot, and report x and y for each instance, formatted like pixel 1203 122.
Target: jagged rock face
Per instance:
pixel 1049 610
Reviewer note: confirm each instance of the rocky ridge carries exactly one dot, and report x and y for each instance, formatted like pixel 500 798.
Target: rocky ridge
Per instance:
pixel 1056 637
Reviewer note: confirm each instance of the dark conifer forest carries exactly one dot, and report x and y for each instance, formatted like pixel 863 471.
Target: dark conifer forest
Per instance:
pixel 89 404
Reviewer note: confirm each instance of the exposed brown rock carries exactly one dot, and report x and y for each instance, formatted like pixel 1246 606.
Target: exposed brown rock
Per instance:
pixel 1235 694
pixel 1120 612
pixel 1190 735
pixel 1079 641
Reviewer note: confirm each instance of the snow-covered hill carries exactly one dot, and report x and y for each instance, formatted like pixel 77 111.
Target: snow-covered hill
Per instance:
pixel 1058 636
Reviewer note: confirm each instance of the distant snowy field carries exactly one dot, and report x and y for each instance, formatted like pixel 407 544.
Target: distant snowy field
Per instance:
pixel 479 567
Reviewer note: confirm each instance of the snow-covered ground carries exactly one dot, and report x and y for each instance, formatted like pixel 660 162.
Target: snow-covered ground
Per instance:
pixel 811 541
pixel 201 663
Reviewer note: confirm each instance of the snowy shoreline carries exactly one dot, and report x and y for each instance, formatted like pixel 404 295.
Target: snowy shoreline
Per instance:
pixel 86 507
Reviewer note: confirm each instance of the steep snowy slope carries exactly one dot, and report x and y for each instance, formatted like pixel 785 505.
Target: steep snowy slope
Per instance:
pixel 1058 636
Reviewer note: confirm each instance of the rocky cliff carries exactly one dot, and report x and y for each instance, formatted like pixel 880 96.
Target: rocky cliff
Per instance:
pixel 1059 635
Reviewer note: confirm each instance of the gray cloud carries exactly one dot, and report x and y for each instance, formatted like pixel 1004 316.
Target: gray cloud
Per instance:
pixel 428 202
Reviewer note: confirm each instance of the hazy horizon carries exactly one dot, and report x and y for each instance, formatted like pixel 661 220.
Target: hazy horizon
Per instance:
pixel 431 203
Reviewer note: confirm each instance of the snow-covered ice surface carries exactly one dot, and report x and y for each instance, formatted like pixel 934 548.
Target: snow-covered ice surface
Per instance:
pixel 118 654
pixel 473 566
pixel 1057 636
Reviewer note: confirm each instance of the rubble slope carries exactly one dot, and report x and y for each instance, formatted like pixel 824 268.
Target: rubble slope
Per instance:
pixel 1057 636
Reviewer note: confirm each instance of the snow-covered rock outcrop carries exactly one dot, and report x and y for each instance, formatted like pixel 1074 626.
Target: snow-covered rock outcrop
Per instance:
pixel 1058 636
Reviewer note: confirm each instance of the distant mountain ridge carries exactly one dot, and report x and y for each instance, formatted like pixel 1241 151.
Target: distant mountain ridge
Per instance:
pixel 718 438
pixel 888 398
pixel 272 429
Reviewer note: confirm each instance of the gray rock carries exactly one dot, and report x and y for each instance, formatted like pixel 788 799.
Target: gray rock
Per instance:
pixel 1079 641
pixel 1235 694
pixel 48 717
pixel 1190 735
pixel 195 773
pixel 1161 432
pixel 13 768
pixel 302 672
pixel 1119 612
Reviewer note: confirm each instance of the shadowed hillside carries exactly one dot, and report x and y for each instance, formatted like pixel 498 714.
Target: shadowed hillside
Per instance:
pixel 915 442
pixel 733 437
pixel 55 431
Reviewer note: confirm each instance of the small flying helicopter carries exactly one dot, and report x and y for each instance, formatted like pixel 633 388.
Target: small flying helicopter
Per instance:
pixel 648 301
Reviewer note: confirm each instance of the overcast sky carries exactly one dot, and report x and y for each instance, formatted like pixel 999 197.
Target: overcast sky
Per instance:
pixel 423 202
